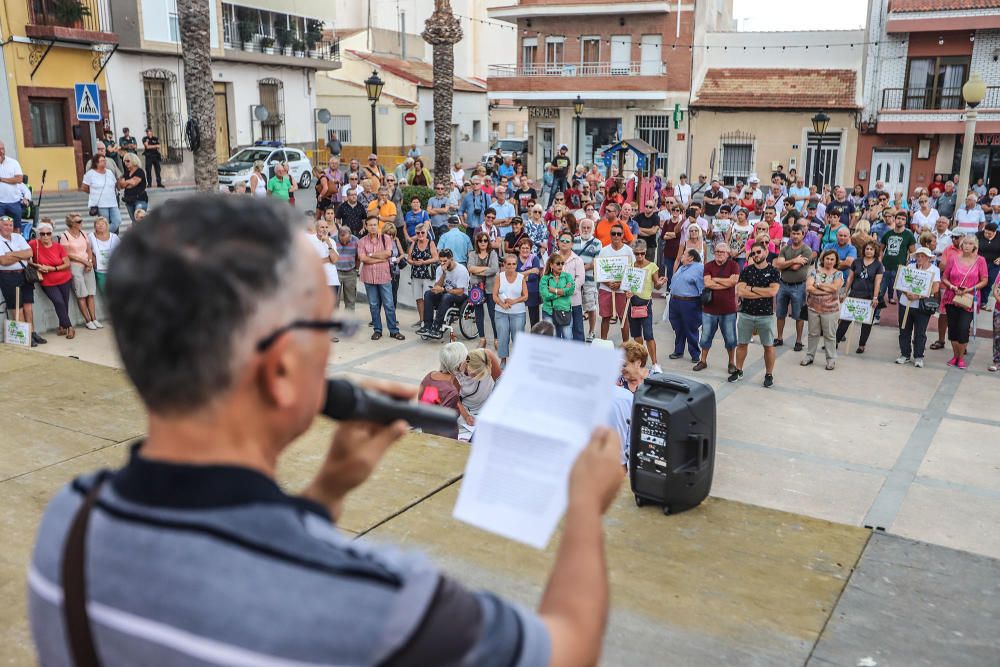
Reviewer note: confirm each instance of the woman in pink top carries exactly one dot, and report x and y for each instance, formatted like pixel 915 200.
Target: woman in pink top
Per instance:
pixel 962 278
pixel 81 257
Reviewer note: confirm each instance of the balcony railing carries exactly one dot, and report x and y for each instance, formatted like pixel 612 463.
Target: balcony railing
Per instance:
pixel 320 51
pixel 933 99
pixel 579 69
pixel 86 15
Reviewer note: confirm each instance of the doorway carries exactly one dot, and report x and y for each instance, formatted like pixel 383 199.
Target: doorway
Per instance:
pixel 892 167
pixel 599 134
pixel 222 146
pixel 546 148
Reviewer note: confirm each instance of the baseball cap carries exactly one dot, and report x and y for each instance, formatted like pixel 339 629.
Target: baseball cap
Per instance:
pixel 753 179
pixel 453 220
pixel 813 205
pixel 958 231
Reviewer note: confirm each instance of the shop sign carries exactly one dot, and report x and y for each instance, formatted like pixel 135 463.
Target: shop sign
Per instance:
pixel 543 112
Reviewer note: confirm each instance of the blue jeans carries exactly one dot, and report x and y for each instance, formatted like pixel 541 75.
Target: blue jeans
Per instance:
pixel 489 306
pixel 509 326
pixel 113 215
pixel 888 280
pixel 725 323
pixel 578 323
pixel 135 206
pixel 685 318
pixel 14 211
pixel 441 302
pixel 561 332
pixel 380 297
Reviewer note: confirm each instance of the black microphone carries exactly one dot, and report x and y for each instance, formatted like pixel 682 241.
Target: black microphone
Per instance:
pixel 346 401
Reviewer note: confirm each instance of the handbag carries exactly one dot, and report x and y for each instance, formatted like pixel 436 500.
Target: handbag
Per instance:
pixel 929 305
pixel 706 296
pixel 966 301
pixel 477 295
pixel 562 318
pixel 30 273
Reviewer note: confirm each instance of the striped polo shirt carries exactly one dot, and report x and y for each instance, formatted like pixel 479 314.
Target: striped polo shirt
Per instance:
pixel 216 565
pixel 378 273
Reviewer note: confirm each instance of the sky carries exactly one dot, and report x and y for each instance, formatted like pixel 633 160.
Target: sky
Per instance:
pixel 799 15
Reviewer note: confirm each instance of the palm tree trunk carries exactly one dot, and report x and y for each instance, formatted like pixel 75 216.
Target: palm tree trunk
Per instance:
pixel 442 31
pixel 199 93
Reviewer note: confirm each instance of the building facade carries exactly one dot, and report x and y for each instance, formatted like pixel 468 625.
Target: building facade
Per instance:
pixel 756 93
pixel 47 48
pixel 265 54
pixel 919 55
pixel 629 62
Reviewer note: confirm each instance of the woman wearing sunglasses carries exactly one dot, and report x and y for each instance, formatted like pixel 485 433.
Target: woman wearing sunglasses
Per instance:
pixel 510 294
pixel 52 263
pixel 483 268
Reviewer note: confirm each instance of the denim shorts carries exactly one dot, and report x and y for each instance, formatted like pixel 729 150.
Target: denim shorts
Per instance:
pixel 793 294
pixel 765 325
pixel 725 323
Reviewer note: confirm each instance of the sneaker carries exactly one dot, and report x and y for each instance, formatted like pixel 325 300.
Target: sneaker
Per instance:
pixel 778 342
pixel 38 339
pixel 97 323
pixel 590 337
pixel 675 356
pixel 419 324
pixel 806 361
pixel 736 376
pixel 961 364
pixel 918 362
pixel 422 330
pixel 952 361
pixel 90 325
pixel 877 320
pixel 830 365
pixel 768 379
pixel 798 346
pixel 700 366
pixel 903 360
pixel 657 369
pixel 435 333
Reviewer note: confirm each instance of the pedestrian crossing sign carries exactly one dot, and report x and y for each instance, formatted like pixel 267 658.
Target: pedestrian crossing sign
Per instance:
pixel 88 102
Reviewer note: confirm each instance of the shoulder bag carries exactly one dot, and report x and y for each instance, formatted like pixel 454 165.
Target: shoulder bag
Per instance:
pixel 965 301
pixel 30 273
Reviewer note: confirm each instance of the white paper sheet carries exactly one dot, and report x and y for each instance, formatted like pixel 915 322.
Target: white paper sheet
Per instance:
pixel 528 434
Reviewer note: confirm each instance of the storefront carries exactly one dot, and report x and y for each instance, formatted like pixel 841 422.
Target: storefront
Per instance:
pixel 985 159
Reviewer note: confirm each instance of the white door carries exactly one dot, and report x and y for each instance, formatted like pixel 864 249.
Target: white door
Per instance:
pixel 546 148
pixel 650 55
pixel 621 53
pixel 892 167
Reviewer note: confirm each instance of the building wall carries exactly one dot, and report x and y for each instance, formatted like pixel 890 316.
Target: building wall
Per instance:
pixel 467 109
pixel 780 136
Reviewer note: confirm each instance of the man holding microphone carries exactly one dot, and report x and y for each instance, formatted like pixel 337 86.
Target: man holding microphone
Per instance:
pixel 191 553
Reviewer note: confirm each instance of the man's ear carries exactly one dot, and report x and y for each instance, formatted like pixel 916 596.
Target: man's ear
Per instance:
pixel 278 372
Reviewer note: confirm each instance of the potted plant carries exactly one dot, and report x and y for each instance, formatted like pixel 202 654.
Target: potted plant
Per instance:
pixel 266 45
pixel 69 13
pixel 284 38
pixel 314 34
pixel 299 48
pixel 246 29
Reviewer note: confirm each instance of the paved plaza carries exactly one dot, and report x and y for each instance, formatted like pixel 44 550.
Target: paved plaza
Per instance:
pixel 776 568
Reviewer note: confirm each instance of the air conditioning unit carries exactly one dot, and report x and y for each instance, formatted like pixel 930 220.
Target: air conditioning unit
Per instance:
pixel 774 165
pixel 465 137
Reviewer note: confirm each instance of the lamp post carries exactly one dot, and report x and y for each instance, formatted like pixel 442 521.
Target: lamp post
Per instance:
pixel 973 91
pixel 373 86
pixel 820 122
pixel 577 112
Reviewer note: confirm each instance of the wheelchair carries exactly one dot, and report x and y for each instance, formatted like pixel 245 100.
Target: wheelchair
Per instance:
pixel 464 315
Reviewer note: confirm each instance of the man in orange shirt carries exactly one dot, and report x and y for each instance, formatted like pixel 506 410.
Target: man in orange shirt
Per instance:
pixel 603 229
pixel 385 208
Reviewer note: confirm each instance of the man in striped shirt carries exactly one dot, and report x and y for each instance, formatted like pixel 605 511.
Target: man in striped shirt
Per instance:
pixel 191 554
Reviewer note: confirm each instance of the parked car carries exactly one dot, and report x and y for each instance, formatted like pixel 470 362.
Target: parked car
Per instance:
pixel 507 147
pixel 237 168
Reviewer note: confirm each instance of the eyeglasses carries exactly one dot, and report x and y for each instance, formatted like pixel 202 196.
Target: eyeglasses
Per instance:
pixel 421 233
pixel 558 263
pixel 483 241
pixel 565 240
pixel 617 234
pixel 343 327
pixel 45 233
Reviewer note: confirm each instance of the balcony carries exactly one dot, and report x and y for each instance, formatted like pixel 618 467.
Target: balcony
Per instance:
pixel 579 70
pixel 933 99
pixel 81 21
pixel 526 9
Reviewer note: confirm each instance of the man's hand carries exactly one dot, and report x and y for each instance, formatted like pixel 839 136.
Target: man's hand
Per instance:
pixel 597 473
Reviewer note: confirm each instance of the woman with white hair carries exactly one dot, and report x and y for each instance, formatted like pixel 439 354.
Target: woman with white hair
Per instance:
pixel 476 377
pixel 440 387
pixel 52 263
pixel 133 184
pixel 258 181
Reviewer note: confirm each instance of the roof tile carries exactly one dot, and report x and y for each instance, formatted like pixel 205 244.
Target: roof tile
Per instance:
pixel 417 71
pixel 936 5
pixel 772 88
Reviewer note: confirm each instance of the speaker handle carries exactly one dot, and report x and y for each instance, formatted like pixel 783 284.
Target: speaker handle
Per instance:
pixel 669 383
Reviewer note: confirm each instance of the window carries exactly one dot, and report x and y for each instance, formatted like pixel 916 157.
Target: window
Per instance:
pixel 590 51
pixel 655 131
pixel 156 93
pixel 342 126
pixel 935 83
pixel 509 130
pixel 173 22
pixel 495 127
pixel 737 157
pixel 828 158
pixel 650 55
pixel 621 54
pixel 529 52
pixel 477 131
pixel 48 121
pixel 554 54
pixel 272 98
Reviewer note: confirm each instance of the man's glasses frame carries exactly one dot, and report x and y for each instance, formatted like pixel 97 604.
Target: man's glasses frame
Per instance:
pixel 343 327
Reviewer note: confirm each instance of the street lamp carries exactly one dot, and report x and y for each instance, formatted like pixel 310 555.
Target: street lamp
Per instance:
pixel 973 91
pixel 373 86
pixel 820 122
pixel 578 111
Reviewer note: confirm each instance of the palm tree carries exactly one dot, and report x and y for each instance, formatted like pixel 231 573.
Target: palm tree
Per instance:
pixel 442 31
pixel 199 93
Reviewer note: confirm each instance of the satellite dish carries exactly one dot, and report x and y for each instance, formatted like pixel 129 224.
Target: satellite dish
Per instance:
pixel 260 113
pixel 323 115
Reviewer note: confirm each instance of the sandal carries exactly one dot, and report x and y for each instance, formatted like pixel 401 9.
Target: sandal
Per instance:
pixel 994 368
pixel 70 333
pixel 376 336
pixel 937 345
pixel 397 336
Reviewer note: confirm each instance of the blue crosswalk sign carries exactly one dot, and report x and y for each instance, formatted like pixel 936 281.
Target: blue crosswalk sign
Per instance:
pixel 88 102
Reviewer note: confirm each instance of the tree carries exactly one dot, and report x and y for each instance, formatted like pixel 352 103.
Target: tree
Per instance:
pixel 442 31
pixel 199 93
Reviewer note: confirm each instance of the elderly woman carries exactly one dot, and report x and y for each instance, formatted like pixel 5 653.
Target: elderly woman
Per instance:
pixel 440 387
pixel 476 377
pixel 258 180
pixel 101 186
pixel 81 257
pixel 823 302
pixel 419 174
pixel 963 276
pixel 52 263
pixel 133 184
pixel 529 266
pixel 989 250
pixel 537 231
pixel 510 294
pixel 102 244
pixel 913 326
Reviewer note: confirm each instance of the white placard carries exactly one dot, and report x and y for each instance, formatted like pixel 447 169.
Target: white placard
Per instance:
pixel 634 280
pixel 17 333
pixel 610 269
pixel 857 310
pixel 913 280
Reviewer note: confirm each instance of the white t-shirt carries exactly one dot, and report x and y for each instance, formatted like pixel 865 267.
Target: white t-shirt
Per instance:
pixel 609 251
pixel 102 250
pixel 102 189
pixel 620 418
pixel 683 192
pixel 935 277
pixel 925 221
pixel 17 244
pixel 457 278
pixel 343 191
pixel 8 169
pixel 969 219
pixel 323 252
pixel 511 290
